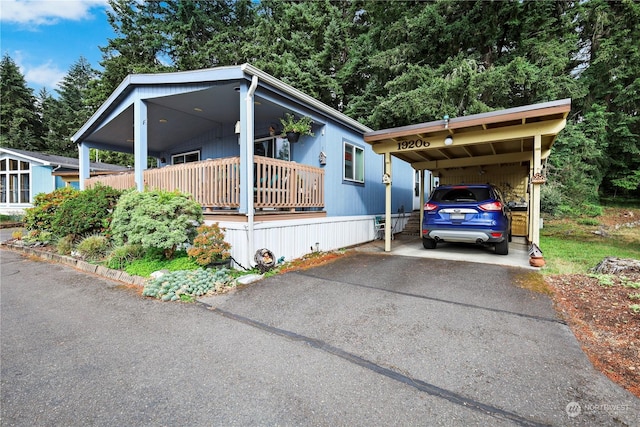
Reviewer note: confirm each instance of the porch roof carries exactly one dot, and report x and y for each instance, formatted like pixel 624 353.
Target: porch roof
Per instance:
pixel 182 105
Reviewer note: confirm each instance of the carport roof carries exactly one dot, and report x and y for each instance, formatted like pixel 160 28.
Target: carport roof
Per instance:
pixel 497 137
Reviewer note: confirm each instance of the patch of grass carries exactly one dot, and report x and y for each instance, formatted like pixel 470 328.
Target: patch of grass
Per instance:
pixel 571 254
pixel 151 262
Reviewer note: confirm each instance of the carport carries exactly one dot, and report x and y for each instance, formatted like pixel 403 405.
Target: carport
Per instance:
pixel 507 148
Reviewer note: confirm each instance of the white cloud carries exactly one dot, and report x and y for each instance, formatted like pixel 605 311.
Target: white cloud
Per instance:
pixel 47 75
pixel 46 12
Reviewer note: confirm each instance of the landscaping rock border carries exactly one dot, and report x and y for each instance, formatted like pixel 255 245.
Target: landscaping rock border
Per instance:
pixel 109 273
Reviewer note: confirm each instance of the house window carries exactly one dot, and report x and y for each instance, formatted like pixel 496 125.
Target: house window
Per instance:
pixel 15 181
pixel 353 163
pixel 192 156
pixel 275 148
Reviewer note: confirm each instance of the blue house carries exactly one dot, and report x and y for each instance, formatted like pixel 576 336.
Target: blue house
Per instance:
pixel 217 134
pixel 24 174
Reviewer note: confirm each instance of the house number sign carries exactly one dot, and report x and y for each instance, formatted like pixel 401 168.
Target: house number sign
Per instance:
pixel 412 144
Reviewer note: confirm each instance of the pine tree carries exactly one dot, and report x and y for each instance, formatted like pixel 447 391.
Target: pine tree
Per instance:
pixel 20 124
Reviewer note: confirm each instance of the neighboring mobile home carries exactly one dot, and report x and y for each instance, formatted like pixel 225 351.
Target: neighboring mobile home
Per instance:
pixel 216 134
pixel 24 174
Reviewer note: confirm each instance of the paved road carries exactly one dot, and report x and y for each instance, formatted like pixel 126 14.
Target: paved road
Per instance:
pixel 371 339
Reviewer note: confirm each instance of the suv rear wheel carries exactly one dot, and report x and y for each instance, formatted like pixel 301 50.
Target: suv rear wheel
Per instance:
pixel 502 248
pixel 429 243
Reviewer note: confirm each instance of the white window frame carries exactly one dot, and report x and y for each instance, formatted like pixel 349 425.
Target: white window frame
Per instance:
pixel 184 157
pixel 22 195
pixel 357 162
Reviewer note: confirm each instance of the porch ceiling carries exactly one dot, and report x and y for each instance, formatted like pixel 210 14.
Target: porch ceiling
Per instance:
pixel 183 116
pixel 498 137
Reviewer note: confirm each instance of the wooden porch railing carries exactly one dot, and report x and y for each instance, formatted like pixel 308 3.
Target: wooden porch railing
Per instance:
pixel 216 183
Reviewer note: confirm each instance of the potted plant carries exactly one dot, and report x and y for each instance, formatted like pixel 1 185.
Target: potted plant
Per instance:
pixel 293 129
pixel 209 247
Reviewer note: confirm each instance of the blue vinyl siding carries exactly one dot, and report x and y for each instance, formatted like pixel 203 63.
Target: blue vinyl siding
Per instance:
pixel 41 180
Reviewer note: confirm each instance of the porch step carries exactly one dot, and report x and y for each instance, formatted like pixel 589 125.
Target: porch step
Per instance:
pixel 413 225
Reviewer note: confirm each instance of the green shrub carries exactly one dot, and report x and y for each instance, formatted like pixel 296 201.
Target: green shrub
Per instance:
pixel 88 213
pixel 38 236
pixel 93 247
pixel 64 246
pixel 121 256
pixel 45 205
pixel 156 219
pixel 184 285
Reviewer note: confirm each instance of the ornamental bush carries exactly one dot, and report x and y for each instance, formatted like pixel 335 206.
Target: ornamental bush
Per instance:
pixel 156 219
pixel 209 245
pixel 89 212
pixel 41 215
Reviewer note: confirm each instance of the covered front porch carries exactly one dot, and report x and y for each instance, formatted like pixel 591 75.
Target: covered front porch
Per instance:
pixel 279 186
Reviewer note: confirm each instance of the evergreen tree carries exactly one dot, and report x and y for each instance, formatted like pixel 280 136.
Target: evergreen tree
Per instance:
pixel 611 40
pixel 20 124
pixel 66 114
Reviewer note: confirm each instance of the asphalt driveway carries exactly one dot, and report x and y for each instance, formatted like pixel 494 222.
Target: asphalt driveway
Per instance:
pixel 370 339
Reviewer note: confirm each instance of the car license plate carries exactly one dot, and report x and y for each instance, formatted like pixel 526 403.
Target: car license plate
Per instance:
pixel 457 216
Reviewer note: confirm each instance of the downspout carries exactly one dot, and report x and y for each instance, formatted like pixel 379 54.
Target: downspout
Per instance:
pixel 249 139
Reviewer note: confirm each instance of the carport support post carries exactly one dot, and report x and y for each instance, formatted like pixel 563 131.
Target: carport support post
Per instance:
pixel 536 167
pixel 388 232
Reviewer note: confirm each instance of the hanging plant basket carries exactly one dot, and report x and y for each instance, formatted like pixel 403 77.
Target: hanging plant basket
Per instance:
pixel 294 128
pixel 293 137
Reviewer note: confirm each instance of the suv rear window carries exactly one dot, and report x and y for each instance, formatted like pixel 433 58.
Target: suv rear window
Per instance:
pixel 461 195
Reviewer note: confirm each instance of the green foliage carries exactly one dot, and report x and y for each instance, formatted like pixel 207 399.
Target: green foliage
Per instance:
pixel 173 286
pixel 301 126
pixel 209 245
pixel 64 245
pixel 11 218
pixel 38 236
pixel 156 219
pixel 94 247
pixel 90 212
pixel 20 125
pixel 155 261
pixel 121 256
pixel 45 206
pixel 635 308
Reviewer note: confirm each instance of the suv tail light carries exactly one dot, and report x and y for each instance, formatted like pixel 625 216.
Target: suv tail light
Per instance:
pixel 430 207
pixel 493 206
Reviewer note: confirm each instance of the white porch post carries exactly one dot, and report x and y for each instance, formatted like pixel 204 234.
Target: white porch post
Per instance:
pixel 388 232
pixel 536 167
pixel 84 161
pixel 140 147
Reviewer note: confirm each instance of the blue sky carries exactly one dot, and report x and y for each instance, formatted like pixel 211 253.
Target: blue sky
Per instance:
pixel 45 38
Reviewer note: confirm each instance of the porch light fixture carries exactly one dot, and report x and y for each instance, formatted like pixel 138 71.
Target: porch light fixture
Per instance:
pixel 448 140
pixel 163 120
pixel 198 109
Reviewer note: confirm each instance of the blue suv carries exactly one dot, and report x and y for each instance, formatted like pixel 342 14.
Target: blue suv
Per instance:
pixel 474 213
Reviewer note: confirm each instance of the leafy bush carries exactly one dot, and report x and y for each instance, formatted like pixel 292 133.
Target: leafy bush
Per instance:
pixel 88 213
pixel 121 256
pixel 45 205
pixel 209 245
pixel 93 247
pixel 184 285
pixel 156 219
